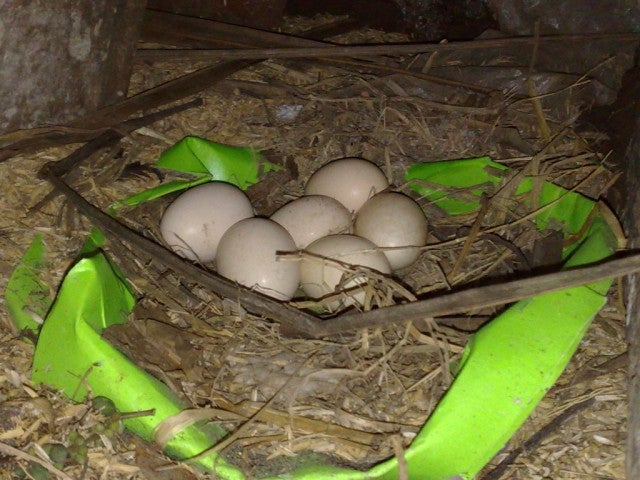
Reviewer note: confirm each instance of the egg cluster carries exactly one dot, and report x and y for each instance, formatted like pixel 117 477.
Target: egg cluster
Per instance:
pixel 216 222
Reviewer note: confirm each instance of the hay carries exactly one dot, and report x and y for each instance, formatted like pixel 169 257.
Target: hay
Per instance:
pixel 354 399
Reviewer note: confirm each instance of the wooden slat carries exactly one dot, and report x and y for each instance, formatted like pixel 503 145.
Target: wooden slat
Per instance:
pixel 162 27
pixel 632 220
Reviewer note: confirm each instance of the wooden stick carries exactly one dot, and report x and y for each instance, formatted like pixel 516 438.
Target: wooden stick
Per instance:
pixel 308 425
pixel 46 137
pixel 14 452
pixel 109 137
pixel 296 320
pixel 168 92
pixel 120 131
pixel 484 296
pixel 471 237
pixel 95 123
pixel 301 323
pixel 161 54
pixel 537 438
pixel 180 30
pixel 633 389
pixel 236 434
pixel 184 31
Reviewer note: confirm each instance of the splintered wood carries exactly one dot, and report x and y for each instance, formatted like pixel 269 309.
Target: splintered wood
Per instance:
pixel 352 399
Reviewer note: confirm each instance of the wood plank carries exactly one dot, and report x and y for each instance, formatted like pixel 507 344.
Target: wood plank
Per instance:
pixel 394 49
pixel 632 223
pixel 252 13
pixel 163 27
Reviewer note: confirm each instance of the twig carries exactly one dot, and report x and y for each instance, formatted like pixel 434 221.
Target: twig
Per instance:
pixel 301 323
pixel 398 451
pixel 406 99
pixel 107 121
pixel 518 221
pixel 632 463
pixel 107 138
pixel 390 353
pixel 182 30
pixel 471 237
pixel 536 45
pixel 381 67
pixel 330 52
pixel 100 136
pixel 307 425
pixel 484 296
pixel 296 322
pixel 546 206
pixel 14 452
pixel 583 80
pixel 545 131
pixel 256 302
pixel 608 366
pixel 605 367
pixel 537 108
pixel 256 416
pixel 173 90
pixel 537 438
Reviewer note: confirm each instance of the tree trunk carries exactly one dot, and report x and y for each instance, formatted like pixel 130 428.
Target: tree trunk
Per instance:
pixel 60 59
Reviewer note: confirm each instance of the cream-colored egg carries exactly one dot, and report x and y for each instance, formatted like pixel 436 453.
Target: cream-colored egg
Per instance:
pixel 319 278
pixel 351 181
pixel 392 219
pixel 313 217
pixel 194 223
pixel 247 255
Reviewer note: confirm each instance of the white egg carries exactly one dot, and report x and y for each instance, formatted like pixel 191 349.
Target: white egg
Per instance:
pixel 392 219
pixel 351 181
pixel 319 278
pixel 313 217
pixel 247 255
pixel 194 223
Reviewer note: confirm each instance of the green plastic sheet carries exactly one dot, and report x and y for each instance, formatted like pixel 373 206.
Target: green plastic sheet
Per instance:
pixel 26 296
pixel 506 368
pixel 204 161
pixel 93 296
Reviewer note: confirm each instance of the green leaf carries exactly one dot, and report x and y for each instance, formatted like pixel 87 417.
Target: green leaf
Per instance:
pixel 208 161
pixel 26 296
pixel 237 165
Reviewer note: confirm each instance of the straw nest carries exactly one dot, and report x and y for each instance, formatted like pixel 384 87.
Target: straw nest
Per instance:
pixel 350 400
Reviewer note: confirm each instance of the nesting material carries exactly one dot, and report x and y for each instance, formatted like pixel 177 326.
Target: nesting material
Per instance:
pixel 354 399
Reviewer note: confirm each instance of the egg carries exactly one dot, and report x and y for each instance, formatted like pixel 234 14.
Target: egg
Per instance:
pixel 194 223
pixel 319 278
pixel 312 217
pixel 392 219
pixel 351 181
pixel 247 255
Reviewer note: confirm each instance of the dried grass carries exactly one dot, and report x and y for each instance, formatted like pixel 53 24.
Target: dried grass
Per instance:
pixel 351 400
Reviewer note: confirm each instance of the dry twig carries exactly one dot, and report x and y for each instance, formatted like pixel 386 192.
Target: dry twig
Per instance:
pixel 537 438
pixel 331 52
pixel 301 323
pixel 14 452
